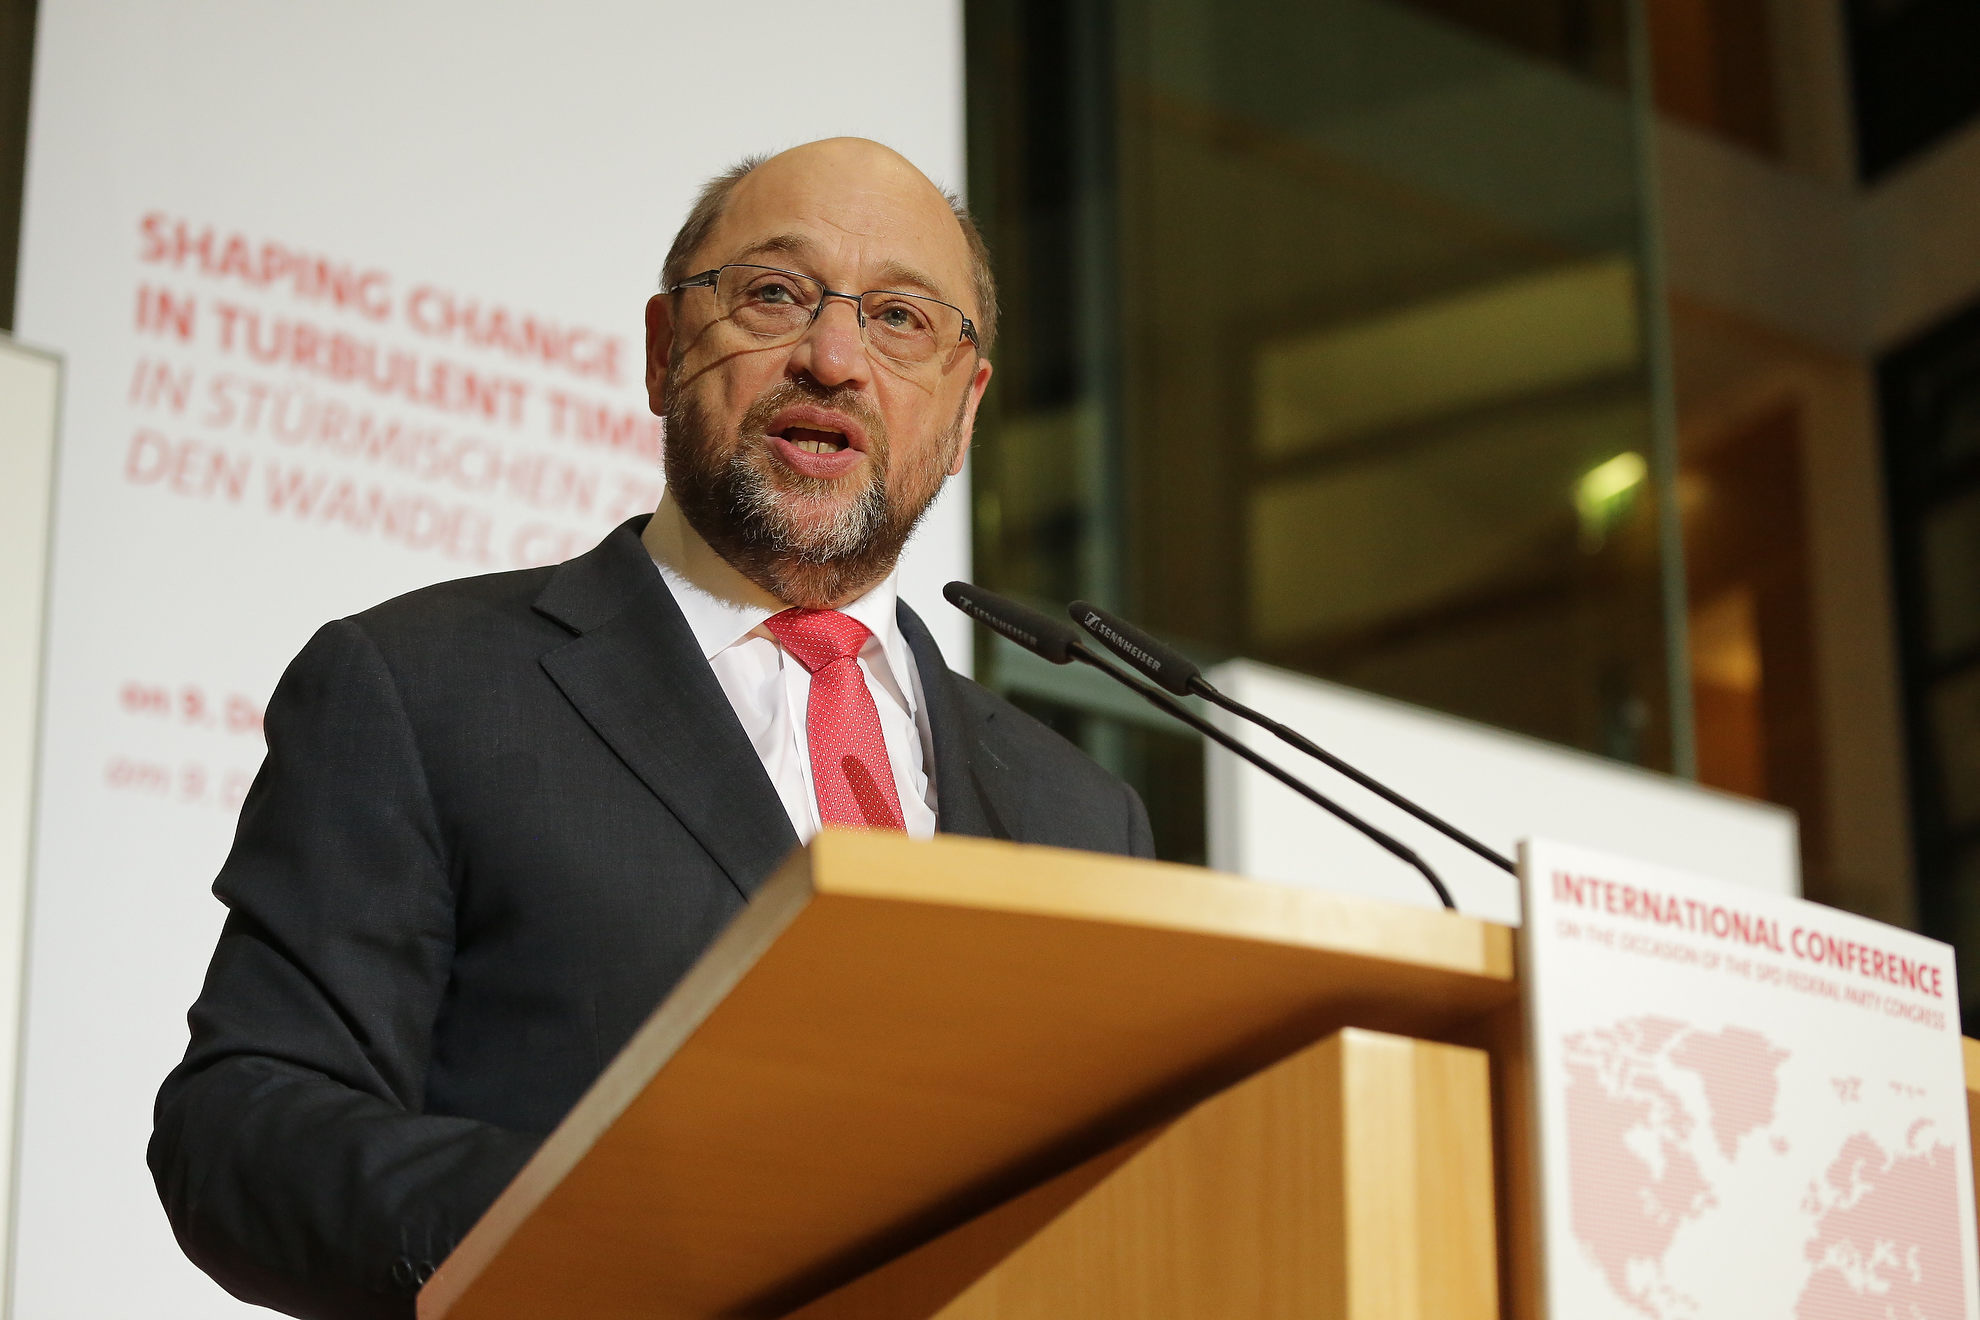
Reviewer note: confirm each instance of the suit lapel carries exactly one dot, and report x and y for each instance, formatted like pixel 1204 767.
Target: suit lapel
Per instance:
pixel 972 792
pixel 636 676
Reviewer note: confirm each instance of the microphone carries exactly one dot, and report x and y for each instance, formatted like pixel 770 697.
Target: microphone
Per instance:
pixel 1057 641
pixel 1173 670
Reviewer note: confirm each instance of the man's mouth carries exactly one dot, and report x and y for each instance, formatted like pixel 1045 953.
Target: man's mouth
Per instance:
pixel 814 441
pixel 810 429
pixel 817 442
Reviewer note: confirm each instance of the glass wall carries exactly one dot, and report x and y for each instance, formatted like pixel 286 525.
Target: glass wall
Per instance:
pixel 1931 407
pixel 16 60
pixel 1326 345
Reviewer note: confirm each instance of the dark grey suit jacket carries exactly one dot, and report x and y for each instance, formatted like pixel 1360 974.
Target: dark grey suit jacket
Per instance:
pixel 498 820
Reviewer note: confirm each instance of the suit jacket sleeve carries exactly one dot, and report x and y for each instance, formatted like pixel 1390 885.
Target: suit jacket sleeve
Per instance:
pixel 290 1148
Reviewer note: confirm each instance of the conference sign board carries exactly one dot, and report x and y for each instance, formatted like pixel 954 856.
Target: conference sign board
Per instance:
pixel 1746 1105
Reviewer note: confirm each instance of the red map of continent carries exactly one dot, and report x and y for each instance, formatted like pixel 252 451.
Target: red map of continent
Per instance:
pixel 1634 1180
pixel 1885 1241
pixel 1887 1244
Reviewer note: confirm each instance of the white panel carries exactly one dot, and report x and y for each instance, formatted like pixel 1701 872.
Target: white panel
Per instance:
pixel 1741 1104
pixel 532 157
pixel 30 390
pixel 1498 787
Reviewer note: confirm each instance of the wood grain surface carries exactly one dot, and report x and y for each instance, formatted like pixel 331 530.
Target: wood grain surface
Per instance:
pixel 1971 1048
pixel 898 1035
pixel 1353 1180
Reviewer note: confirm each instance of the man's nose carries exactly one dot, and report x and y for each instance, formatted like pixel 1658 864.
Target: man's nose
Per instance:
pixel 832 351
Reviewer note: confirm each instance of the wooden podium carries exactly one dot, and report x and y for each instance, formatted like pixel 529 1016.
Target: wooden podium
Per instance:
pixel 961 1078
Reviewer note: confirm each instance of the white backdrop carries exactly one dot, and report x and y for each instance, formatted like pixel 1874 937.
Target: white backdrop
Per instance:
pixel 228 205
pixel 1499 787
pixel 30 388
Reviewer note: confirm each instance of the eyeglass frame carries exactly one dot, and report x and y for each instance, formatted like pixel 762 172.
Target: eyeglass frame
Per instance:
pixel 708 279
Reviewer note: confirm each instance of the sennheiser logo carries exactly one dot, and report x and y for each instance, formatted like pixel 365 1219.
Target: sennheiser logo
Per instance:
pixel 1006 627
pixel 1095 623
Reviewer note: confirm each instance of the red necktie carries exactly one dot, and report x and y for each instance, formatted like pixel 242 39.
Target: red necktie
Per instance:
pixel 849 766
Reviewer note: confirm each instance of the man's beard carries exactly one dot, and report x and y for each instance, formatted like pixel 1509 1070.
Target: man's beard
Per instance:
pixel 748 505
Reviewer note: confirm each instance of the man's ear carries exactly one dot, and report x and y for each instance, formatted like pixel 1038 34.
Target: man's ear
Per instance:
pixel 659 350
pixel 977 384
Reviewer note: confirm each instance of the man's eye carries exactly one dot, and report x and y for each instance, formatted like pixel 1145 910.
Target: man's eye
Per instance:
pixel 774 293
pixel 898 316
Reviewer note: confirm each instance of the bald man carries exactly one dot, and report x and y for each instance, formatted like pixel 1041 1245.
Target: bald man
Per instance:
pixel 501 817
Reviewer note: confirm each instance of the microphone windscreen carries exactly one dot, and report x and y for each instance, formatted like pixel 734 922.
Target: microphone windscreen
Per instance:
pixel 1162 663
pixel 1041 634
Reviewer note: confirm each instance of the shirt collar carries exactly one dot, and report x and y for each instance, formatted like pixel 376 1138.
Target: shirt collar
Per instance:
pixel 724 609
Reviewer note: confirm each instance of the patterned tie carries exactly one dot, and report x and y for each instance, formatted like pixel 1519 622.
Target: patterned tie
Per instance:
pixel 849 765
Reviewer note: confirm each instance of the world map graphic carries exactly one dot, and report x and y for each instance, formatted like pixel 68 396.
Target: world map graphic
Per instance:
pixel 1882 1224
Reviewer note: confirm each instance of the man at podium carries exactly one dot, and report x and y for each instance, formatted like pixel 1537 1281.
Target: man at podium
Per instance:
pixel 499 818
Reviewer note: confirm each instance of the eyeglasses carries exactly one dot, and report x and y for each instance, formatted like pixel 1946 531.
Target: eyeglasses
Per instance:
pixel 778 306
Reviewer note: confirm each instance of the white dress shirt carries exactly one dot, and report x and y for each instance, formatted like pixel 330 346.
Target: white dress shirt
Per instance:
pixel 770 691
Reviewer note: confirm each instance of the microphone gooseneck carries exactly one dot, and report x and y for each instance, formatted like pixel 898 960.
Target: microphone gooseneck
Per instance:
pixel 1057 642
pixel 1174 671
